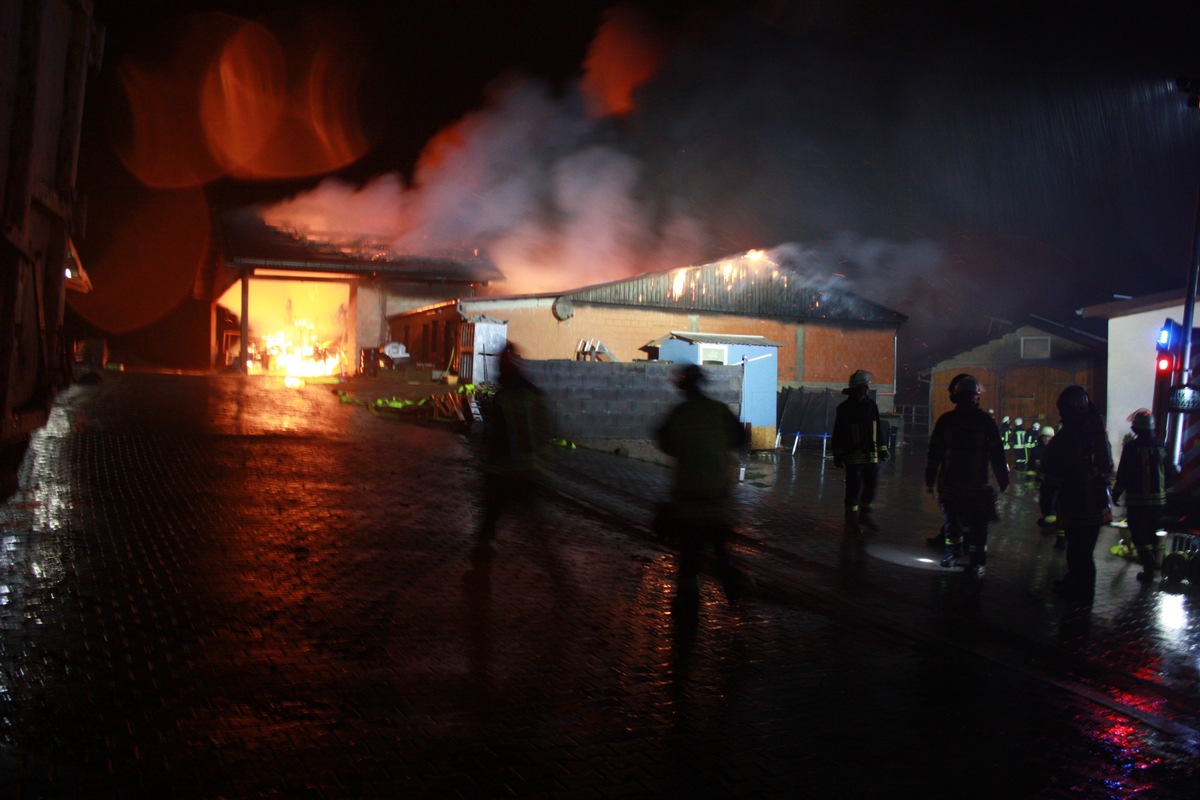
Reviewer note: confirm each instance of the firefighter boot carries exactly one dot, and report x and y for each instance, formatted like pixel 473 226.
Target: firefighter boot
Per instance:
pixel 1149 557
pixel 865 519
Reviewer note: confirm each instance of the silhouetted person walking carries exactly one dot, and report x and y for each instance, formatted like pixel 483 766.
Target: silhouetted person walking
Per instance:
pixel 859 446
pixel 1076 470
pixel 517 434
pixel 965 442
pixel 703 436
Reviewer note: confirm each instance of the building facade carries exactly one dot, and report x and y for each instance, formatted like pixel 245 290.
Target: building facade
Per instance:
pixel 1024 371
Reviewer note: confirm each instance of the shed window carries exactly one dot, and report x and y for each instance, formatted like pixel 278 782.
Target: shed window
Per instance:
pixel 714 354
pixel 1035 347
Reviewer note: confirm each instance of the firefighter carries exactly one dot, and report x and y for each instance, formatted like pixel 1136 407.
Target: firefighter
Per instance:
pixel 1076 471
pixel 859 446
pixel 1006 432
pixel 1020 438
pixel 965 442
pixel 1032 440
pixel 1044 435
pixel 1143 475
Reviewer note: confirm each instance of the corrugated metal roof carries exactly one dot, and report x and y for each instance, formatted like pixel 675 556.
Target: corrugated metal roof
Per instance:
pixel 754 283
pixel 249 243
pixel 715 338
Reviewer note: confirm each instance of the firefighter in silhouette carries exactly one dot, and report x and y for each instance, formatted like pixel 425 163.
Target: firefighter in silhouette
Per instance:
pixel 517 441
pixel 704 437
pixel 859 445
pixel 964 444
pixel 1143 476
pixel 1076 471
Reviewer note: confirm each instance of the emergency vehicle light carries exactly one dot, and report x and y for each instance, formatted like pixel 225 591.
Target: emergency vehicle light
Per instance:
pixel 1164 363
pixel 1170 335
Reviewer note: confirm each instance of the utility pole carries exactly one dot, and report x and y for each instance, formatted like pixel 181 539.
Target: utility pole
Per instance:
pixel 1190 87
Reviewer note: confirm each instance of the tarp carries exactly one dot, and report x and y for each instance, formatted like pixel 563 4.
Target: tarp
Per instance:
pixel 807 412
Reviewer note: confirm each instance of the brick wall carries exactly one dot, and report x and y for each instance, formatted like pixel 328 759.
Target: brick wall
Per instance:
pixel 832 352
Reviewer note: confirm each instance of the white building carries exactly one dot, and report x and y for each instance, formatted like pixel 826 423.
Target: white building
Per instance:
pixel 1133 327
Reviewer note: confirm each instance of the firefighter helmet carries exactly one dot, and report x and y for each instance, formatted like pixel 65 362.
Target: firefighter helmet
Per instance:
pixel 1018 422
pixel 965 386
pixel 1142 421
pixel 1073 402
pixel 860 378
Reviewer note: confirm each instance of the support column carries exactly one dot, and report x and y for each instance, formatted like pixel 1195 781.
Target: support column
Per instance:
pixel 245 348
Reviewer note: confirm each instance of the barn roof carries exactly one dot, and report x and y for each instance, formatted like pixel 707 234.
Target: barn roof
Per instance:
pixel 758 283
pixel 247 242
pixel 715 338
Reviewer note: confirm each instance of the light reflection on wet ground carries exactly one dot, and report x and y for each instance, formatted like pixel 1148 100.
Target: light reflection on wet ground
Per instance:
pixel 217 587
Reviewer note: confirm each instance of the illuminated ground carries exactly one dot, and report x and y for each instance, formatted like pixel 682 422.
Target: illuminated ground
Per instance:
pixel 211 586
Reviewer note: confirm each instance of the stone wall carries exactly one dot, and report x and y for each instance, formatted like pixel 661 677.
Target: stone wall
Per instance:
pixel 602 405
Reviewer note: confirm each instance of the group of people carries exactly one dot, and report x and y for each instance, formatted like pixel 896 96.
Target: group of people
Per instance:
pixel 1076 483
pixel 966 451
pixel 1024 443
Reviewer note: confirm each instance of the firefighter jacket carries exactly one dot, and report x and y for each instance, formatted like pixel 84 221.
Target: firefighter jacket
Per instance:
pixel 964 443
pixel 704 437
pixel 517 432
pixel 1076 471
pixel 1144 472
pixel 1020 439
pixel 858 436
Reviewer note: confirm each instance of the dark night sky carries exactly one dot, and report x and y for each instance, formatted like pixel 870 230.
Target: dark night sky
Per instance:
pixel 955 161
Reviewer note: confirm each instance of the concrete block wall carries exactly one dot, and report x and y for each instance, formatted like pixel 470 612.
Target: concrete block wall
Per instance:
pixel 593 402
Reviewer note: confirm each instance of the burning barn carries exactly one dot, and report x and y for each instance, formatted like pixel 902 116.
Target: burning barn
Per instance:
pixel 311 303
pixel 823 331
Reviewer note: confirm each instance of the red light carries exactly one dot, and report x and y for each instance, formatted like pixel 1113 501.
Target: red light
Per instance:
pixel 1164 364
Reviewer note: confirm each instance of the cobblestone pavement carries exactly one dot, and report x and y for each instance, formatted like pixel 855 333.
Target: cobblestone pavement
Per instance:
pixel 212 586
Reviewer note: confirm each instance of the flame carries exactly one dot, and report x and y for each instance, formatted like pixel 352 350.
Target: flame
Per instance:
pixel 680 283
pixel 297 328
pixel 297 353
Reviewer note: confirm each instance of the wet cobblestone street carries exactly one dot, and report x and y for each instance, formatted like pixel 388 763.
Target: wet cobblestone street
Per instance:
pixel 213 586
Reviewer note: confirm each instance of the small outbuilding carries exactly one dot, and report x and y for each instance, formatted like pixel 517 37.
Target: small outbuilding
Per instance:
pixel 1024 371
pixel 758 358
